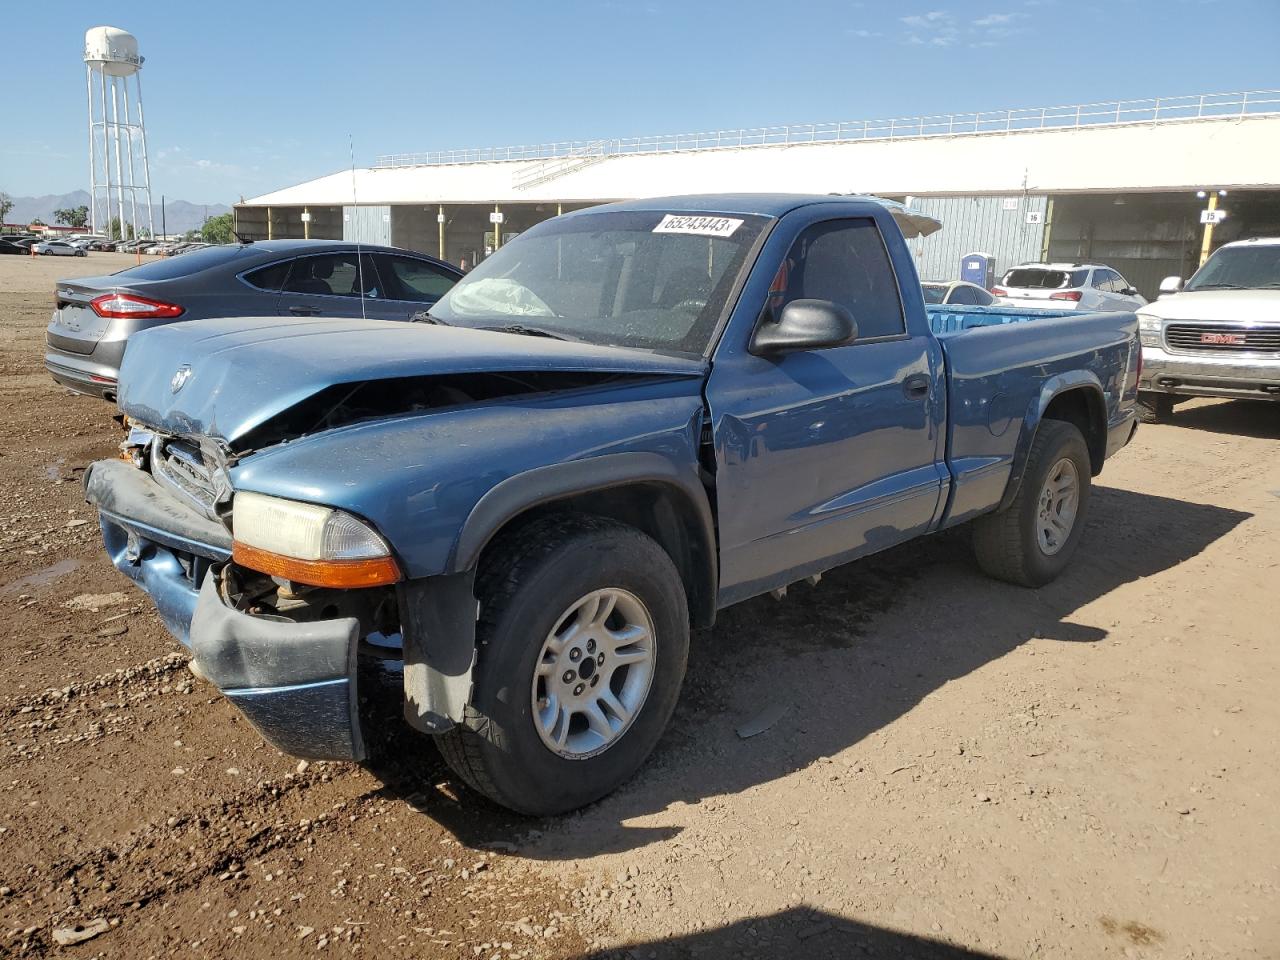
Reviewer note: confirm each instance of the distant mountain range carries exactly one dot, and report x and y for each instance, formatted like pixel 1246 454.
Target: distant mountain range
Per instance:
pixel 179 215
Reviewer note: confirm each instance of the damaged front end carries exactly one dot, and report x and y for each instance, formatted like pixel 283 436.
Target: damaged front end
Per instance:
pixel 286 653
pixel 294 496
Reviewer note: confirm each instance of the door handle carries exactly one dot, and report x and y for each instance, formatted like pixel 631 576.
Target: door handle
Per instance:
pixel 304 311
pixel 916 386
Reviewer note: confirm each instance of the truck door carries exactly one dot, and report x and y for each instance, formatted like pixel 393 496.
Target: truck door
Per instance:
pixel 825 455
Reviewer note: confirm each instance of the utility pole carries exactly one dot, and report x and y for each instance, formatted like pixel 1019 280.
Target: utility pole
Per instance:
pixel 164 229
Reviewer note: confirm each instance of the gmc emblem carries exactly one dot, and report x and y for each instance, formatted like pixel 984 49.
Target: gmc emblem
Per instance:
pixel 1230 339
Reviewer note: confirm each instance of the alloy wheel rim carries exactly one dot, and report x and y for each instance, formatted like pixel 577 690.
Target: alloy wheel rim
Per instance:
pixel 593 673
pixel 1058 505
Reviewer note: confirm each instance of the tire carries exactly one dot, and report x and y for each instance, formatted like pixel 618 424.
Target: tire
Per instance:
pixel 1154 407
pixel 535 583
pixel 1009 544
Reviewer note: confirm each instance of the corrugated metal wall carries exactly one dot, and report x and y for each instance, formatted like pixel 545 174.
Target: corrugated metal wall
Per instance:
pixel 367 224
pixel 994 225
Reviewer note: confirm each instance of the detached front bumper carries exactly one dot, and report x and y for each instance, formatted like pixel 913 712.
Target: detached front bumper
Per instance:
pixel 1237 377
pixel 295 682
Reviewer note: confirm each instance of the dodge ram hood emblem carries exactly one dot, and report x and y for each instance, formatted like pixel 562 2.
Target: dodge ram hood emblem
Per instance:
pixel 180 378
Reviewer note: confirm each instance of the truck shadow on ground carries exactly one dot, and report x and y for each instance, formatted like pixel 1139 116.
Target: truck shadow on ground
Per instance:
pixel 812 934
pixel 1241 418
pixel 845 659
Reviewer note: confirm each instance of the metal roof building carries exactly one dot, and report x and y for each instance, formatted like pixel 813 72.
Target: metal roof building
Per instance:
pixel 1113 181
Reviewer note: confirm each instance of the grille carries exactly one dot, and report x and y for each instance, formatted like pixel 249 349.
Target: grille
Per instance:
pixel 1222 338
pixel 180 467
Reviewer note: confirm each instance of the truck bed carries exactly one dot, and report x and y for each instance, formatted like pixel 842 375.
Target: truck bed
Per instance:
pixel 948 319
pixel 1001 375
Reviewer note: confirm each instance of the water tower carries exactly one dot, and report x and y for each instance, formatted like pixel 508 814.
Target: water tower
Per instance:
pixel 117 134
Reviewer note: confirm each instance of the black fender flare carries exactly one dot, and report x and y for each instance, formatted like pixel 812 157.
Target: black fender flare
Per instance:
pixel 1052 388
pixel 559 481
pixel 438 613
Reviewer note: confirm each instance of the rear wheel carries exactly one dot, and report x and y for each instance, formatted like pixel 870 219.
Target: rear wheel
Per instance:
pixel 1032 541
pixel 583 638
pixel 1154 407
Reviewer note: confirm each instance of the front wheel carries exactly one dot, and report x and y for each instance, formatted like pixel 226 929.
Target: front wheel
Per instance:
pixel 1031 541
pixel 582 642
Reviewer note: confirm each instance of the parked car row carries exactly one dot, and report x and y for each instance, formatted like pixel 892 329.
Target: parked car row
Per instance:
pixel 57 248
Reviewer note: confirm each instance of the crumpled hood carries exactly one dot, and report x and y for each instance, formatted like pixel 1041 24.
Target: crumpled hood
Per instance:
pixel 221 378
pixel 1227 306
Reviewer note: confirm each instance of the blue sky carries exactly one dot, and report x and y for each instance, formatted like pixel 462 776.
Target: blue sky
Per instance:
pixel 242 97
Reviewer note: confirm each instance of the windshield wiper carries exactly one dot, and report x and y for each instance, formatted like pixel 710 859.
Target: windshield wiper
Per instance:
pixel 524 331
pixel 424 316
pixel 1216 286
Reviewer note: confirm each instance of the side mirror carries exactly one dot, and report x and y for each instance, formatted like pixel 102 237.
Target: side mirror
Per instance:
pixel 1130 291
pixel 805 325
pixel 1170 285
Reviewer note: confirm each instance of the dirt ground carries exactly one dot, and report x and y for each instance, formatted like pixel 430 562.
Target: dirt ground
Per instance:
pixel 957 768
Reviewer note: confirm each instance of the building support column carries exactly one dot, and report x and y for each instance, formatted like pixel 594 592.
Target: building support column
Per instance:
pixel 440 228
pixel 497 230
pixel 1048 229
pixel 269 237
pixel 306 223
pixel 1207 242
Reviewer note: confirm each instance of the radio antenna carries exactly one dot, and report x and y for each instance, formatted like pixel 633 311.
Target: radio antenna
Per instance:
pixel 355 212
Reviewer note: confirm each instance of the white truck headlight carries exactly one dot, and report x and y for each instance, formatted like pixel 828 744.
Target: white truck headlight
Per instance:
pixel 308 543
pixel 1149 330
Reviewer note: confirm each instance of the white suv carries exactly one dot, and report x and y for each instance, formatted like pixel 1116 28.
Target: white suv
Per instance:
pixel 1218 336
pixel 1088 287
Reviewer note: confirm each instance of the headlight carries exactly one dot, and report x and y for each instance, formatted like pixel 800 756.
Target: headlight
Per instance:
pixel 1149 330
pixel 308 543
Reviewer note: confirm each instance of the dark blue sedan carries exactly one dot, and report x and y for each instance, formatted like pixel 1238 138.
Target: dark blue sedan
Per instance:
pixel 95 316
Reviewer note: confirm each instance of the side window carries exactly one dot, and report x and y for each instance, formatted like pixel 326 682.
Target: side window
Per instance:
pixel 982 298
pixel 963 296
pixel 334 275
pixel 416 280
pixel 269 278
pixel 846 261
pixel 1121 284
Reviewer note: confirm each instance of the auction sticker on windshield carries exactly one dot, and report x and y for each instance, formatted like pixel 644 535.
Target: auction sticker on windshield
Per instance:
pixel 697 225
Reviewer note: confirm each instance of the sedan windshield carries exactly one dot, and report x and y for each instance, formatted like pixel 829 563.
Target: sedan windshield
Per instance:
pixel 934 292
pixel 625 278
pixel 1239 268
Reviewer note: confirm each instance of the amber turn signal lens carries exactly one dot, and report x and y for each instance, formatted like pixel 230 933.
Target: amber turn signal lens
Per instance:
pixel 341 574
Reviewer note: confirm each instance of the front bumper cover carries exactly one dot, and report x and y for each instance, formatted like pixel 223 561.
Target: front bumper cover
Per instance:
pixel 295 682
pixel 1238 377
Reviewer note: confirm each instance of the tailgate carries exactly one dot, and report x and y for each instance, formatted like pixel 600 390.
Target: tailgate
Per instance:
pixel 75 327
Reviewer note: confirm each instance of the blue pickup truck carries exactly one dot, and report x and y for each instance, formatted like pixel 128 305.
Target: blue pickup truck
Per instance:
pixel 623 421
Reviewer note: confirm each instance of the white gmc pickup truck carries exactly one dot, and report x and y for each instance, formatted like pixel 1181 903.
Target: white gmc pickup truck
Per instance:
pixel 1217 336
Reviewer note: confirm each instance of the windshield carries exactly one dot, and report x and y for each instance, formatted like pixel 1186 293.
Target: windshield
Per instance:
pixel 626 278
pixel 1043 279
pixel 934 292
pixel 1239 268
